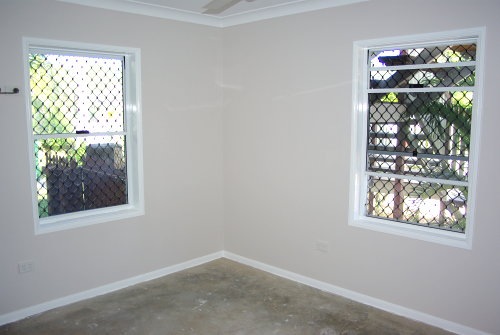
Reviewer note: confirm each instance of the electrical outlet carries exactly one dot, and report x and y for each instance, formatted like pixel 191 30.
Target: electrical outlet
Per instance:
pixel 323 246
pixel 26 266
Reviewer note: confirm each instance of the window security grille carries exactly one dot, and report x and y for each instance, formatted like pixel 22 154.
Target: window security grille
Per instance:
pixel 78 120
pixel 418 135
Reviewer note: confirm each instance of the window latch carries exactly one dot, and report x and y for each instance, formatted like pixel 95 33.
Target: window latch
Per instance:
pixel 82 132
pixel 15 90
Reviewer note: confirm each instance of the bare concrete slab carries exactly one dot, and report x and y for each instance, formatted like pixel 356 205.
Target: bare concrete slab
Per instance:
pixel 220 297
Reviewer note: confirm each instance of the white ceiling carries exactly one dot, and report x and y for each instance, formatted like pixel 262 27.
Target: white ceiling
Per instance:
pixel 192 10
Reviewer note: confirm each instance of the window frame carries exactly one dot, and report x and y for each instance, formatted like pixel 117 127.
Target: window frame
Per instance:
pixel 358 177
pixel 133 129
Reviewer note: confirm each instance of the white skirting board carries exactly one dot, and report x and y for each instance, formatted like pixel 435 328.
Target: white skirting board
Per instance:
pixel 358 297
pixel 361 298
pixel 36 309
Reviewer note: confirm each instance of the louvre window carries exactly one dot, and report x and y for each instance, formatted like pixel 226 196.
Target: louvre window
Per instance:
pixel 419 108
pixel 82 133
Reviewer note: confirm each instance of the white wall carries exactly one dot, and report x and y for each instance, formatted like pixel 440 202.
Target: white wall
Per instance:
pixel 272 163
pixel 181 74
pixel 287 113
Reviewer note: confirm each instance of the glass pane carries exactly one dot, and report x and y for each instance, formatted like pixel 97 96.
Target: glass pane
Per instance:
pixel 437 123
pixel 433 54
pixel 421 203
pixel 75 93
pixel 431 77
pixel 75 174
pixel 438 168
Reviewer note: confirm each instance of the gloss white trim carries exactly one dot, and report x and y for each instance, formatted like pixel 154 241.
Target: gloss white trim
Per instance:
pixel 133 108
pixel 330 288
pixel 104 289
pixel 165 12
pixel 356 215
pixel 358 297
pixel 296 7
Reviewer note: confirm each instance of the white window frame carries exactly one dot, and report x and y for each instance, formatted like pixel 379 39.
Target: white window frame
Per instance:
pixel 133 124
pixel 358 177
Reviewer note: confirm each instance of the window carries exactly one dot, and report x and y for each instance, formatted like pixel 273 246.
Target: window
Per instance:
pixel 85 129
pixel 416 114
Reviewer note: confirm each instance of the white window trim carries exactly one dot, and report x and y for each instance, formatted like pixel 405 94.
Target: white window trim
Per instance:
pixel 357 217
pixel 135 172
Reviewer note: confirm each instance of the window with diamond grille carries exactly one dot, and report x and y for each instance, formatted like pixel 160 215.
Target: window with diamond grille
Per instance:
pixel 79 126
pixel 419 104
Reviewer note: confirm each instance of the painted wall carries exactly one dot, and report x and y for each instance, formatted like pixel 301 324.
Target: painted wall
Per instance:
pixel 272 162
pixel 182 155
pixel 287 114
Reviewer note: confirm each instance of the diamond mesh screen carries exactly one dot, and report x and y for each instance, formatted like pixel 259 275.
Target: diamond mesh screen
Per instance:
pixel 78 126
pixel 417 202
pixel 418 137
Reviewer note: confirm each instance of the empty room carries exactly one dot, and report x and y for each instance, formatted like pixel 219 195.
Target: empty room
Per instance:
pixel 249 167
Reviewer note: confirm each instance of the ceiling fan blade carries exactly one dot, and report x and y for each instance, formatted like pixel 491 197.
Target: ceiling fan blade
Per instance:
pixel 218 6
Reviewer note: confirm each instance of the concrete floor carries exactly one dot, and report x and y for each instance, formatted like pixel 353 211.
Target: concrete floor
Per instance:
pixel 220 297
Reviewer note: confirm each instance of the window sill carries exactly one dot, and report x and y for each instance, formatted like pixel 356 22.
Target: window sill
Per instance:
pixel 86 218
pixel 444 237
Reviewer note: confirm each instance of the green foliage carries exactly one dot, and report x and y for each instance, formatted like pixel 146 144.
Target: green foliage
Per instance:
pixel 53 108
pixel 68 146
pixel 390 97
pixel 436 117
pixel 454 56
